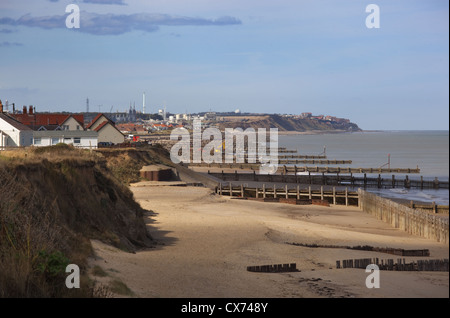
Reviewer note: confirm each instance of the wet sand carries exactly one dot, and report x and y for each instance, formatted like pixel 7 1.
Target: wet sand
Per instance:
pixel 205 242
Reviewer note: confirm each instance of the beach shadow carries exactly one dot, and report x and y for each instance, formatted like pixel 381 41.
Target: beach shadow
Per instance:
pixel 161 237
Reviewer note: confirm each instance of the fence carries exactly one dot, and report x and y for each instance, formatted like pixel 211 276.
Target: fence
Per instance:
pixel 400 216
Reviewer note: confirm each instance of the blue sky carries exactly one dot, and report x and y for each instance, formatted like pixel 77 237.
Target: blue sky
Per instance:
pixel 255 55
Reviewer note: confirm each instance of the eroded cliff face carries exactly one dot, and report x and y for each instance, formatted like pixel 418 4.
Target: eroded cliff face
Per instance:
pixel 85 198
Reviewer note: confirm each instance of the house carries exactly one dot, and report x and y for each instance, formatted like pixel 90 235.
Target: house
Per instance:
pixel 12 132
pixel 49 121
pixel 77 138
pixel 106 129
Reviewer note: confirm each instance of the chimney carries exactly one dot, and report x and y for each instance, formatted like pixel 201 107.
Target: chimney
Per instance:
pixel 30 110
pixel 1 107
pixel 24 110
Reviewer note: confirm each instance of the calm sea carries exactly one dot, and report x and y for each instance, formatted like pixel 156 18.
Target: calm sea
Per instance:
pixel 429 150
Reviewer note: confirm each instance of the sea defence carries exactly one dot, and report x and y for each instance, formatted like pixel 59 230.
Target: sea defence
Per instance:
pixel 400 216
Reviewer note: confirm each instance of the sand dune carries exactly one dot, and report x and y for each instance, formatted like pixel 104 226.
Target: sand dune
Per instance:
pixel 205 242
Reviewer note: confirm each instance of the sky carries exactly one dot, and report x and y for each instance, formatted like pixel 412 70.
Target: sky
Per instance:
pixel 259 56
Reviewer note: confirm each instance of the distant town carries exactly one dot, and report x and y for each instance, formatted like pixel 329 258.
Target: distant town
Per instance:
pixel 26 126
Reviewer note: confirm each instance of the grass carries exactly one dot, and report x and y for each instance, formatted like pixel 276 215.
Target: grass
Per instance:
pixel 98 271
pixel 119 287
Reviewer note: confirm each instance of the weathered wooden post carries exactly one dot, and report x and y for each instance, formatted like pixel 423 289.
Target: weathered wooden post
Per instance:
pixel 298 192
pixel 220 188
pixel 274 191
pixel 287 193
pixel 334 195
pixel 309 192
pixel 264 190
pixel 321 193
pixel 365 180
pixel 242 190
pixel 346 196
pixel 231 190
pixel 379 180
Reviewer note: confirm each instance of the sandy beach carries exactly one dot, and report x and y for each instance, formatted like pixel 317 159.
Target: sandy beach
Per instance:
pixel 204 242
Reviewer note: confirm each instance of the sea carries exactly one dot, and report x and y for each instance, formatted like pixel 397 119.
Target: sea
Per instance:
pixel 428 150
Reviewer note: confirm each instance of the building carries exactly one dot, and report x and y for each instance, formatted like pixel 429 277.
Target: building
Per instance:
pixel 49 121
pixel 12 132
pixel 77 138
pixel 106 129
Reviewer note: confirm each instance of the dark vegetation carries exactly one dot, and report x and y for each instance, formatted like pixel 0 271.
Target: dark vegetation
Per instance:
pixel 53 200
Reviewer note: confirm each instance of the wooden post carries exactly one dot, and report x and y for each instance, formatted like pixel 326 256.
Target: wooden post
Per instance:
pixel 393 181
pixel 346 196
pixel 220 188
pixel 309 192
pixel 298 192
pixel 242 190
pixel 264 190
pixel 287 193
pixel 365 180
pixel 236 175
pixel 231 190
pixel 434 207
pixel 334 195
pixel 309 175
pixel 274 191
pixel 257 192
pixel 379 180
pixel 321 193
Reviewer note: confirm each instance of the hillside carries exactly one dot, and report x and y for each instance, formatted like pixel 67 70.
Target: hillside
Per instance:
pixel 289 124
pixel 53 200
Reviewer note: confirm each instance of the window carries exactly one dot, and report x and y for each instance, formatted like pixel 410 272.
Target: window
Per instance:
pixel 78 127
pixel 65 127
pixel 37 141
pixel 76 140
pixel 55 141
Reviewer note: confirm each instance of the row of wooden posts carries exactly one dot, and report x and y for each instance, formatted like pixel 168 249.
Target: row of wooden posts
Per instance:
pixel 439 265
pixel 334 196
pixel 338 179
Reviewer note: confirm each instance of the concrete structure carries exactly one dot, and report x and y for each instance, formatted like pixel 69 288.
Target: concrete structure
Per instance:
pixel 157 173
pixel 77 138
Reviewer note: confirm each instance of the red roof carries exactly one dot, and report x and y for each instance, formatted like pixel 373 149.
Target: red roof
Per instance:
pixel 40 119
pixel 103 124
pixel 97 118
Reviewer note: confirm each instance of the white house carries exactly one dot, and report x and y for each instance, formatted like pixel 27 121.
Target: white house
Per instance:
pixel 14 133
pixel 78 138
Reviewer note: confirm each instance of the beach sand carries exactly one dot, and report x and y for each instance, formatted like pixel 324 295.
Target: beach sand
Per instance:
pixel 205 242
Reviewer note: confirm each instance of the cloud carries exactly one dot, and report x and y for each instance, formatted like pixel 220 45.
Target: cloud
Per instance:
pixel 7 44
pixel 114 24
pixel 6 31
pixel 118 2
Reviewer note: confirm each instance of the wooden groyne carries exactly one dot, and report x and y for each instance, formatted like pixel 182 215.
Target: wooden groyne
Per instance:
pixel 335 180
pixel 434 265
pixel 276 268
pixel 387 250
pixel 413 221
pixel 291 195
